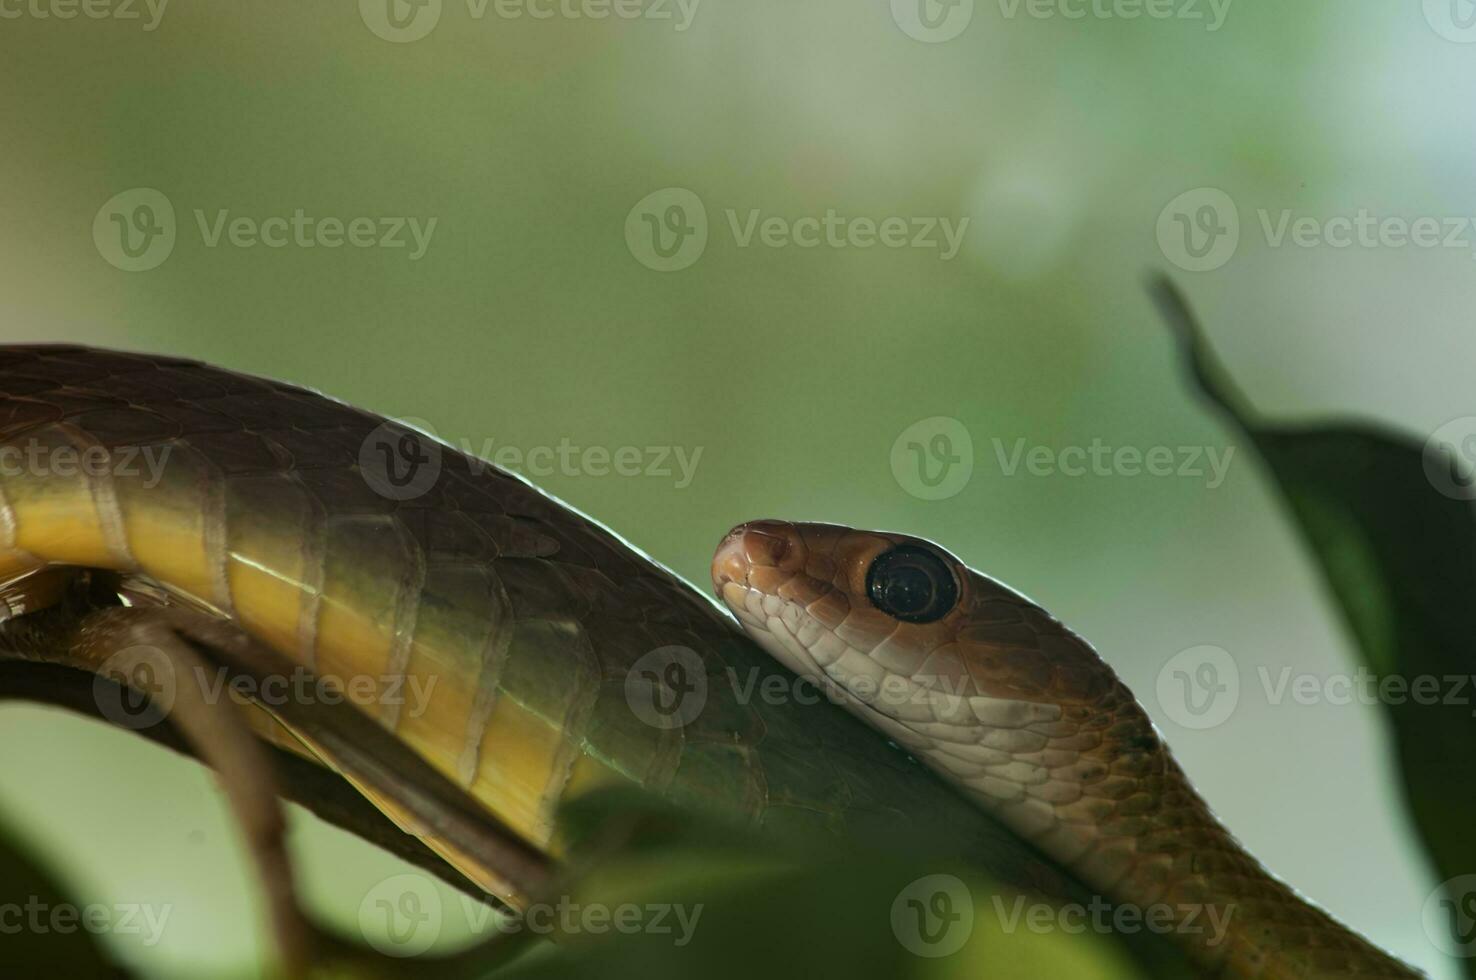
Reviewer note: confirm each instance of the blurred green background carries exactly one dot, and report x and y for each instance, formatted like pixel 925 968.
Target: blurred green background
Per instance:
pixel 530 319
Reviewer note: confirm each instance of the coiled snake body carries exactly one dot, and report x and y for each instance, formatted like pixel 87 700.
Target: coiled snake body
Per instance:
pixel 522 623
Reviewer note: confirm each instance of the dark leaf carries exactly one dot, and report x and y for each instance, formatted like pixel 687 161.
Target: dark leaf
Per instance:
pixel 1392 525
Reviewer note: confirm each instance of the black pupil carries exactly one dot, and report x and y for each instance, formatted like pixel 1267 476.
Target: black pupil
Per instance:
pixel 911 584
pixel 908 590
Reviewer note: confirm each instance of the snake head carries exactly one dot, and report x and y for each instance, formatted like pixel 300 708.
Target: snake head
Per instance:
pixel 854 608
pixel 834 603
pixel 970 676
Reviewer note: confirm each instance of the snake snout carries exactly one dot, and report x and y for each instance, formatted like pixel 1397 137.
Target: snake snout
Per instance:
pixel 752 546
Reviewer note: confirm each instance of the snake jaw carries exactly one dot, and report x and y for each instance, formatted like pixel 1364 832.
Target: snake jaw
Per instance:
pixel 800 591
pixel 995 695
pixel 934 688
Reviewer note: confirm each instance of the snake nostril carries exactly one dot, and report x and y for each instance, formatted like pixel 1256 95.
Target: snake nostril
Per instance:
pixel 759 544
pixel 765 544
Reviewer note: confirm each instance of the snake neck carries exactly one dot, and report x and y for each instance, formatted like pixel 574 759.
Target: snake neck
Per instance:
pixel 1127 820
pixel 1075 765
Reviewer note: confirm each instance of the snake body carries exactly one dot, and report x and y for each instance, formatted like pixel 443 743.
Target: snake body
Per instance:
pixel 526 628
pixel 496 631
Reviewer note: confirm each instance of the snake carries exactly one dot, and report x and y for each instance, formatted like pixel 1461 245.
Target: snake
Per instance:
pixel 553 659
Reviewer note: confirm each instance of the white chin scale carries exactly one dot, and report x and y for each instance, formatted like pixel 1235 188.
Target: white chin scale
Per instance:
pixel 992 748
pixel 844 674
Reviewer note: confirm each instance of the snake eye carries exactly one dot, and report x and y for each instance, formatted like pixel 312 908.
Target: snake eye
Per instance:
pixel 912 584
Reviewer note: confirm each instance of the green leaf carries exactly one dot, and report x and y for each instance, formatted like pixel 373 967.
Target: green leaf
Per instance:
pixel 757 910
